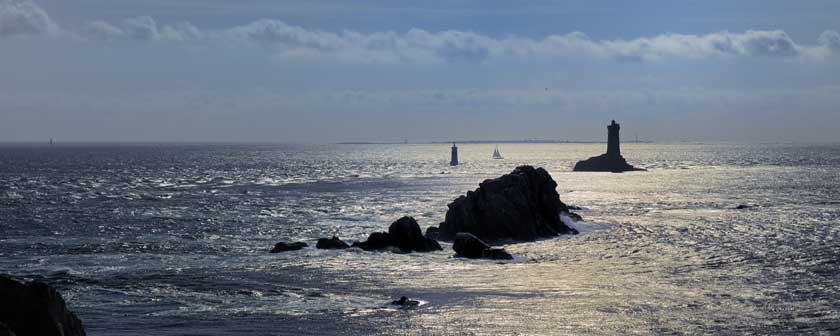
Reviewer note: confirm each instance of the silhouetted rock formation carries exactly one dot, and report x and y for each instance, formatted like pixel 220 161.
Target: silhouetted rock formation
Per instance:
pixel 522 206
pixel 611 161
pixel 331 244
pixel 468 246
pixel 284 247
pixel 35 309
pixel 405 234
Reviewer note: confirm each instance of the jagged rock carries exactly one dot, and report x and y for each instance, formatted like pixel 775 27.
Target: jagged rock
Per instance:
pixel 467 245
pixel 521 206
pixel 405 234
pixel 35 309
pixel 331 243
pixel 283 247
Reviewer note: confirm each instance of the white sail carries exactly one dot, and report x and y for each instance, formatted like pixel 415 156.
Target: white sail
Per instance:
pixel 496 154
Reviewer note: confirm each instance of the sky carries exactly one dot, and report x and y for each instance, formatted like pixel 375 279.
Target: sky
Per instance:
pixel 336 71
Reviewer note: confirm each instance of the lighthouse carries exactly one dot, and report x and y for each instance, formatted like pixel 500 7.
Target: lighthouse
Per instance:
pixel 454 161
pixel 613 142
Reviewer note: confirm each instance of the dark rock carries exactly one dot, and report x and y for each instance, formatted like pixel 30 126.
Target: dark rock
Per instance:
pixel 35 309
pixel 5 330
pixel 376 241
pixel 283 247
pixel 405 302
pixel 467 245
pixel 605 163
pixel 743 207
pixel 496 254
pixel 331 243
pixel 522 206
pixel 405 234
pixel 432 232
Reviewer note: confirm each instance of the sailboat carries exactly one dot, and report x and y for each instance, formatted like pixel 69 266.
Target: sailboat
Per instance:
pixel 496 154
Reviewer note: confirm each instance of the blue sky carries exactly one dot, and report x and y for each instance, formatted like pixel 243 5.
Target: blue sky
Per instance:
pixel 300 71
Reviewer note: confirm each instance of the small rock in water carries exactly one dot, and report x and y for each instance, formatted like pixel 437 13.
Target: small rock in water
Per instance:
pixel 283 247
pixel 331 243
pixel 468 246
pixel 405 234
pixel 743 206
pixel 432 232
pixel 405 302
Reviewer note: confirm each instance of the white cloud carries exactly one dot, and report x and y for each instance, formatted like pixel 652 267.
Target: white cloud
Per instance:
pixel 23 17
pixel 830 39
pixel 455 46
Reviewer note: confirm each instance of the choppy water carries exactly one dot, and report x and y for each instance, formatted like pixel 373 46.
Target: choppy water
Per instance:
pixel 173 240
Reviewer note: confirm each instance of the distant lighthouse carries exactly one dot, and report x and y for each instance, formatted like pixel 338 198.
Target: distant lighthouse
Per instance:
pixel 613 142
pixel 454 161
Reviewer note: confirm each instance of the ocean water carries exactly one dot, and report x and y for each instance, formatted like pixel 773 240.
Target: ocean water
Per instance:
pixel 174 239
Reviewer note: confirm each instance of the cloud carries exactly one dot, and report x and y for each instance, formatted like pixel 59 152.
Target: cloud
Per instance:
pixel 830 39
pixel 23 17
pixel 461 46
pixel 141 28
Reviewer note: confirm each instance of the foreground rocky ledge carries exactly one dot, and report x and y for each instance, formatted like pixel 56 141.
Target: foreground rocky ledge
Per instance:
pixel 35 309
pixel 520 206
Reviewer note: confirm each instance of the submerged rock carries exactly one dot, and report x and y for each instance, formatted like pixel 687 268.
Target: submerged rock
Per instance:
pixel 331 244
pixel 469 246
pixel 283 247
pixel 404 234
pixel 405 302
pixel 35 309
pixel 521 206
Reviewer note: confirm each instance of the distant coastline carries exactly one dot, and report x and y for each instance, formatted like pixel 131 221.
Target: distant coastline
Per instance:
pixel 526 141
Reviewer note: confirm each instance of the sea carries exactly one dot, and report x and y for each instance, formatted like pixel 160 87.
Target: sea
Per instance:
pixel 174 239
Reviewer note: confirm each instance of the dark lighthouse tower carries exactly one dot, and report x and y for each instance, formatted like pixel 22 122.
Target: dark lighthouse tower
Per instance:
pixel 613 142
pixel 454 160
pixel 611 161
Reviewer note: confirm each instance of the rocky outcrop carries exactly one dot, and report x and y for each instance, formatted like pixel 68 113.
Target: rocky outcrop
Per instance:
pixel 605 163
pixel 520 206
pixel 333 243
pixel 284 247
pixel 468 246
pixel 35 309
pixel 404 234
